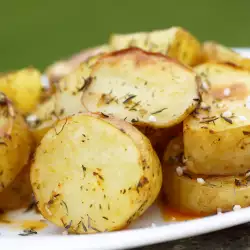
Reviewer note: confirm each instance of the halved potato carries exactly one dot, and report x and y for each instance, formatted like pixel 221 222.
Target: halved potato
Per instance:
pixel 93 173
pixel 19 193
pixel 142 88
pixel 23 87
pixel 174 42
pixel 216 136
pixel 200 194
pixel 15 142
pixel 212 51
pixel 62 68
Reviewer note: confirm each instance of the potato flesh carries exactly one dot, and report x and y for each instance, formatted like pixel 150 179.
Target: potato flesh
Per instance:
pixel 93 178
pixel 187 195
pixel 23 87
pixel 141 88
pixel 220 147
pixel 174 42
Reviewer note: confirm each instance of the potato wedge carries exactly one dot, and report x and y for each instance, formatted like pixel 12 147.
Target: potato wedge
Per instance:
pixel 62 68
pixel 174 42
pixel 19 193
pixel 212 51
pixel 142 88
pixel 93 173
pixel 199 194
pixel 216 136
pixel 15 142
pixel 23 87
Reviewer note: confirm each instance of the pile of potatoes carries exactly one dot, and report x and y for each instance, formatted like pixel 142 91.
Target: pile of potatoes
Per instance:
pixel 109 127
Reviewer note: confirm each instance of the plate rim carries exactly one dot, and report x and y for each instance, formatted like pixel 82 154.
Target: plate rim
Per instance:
pixel 130 238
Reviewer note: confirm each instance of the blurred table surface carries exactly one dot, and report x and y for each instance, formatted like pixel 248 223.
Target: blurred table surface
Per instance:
pixel 233 238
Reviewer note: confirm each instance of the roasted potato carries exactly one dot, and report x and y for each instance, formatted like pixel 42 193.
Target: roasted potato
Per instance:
pixel 23 87
pixel 94 173
pixel 199 194
pixel 142 88
pixel 19 193
pixel 174 42
pixel 62 68
pixel 216 136
pixel 212 51
pixel 15 143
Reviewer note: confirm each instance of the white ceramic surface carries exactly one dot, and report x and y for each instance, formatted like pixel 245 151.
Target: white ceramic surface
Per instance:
pixel 149 229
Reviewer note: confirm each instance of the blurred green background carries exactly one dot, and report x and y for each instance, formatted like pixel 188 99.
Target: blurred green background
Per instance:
pixel 38 32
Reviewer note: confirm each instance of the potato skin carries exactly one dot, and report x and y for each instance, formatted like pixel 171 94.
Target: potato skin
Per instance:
pixel 72 196
pixel 185 194
pixel 175 42
pixel 16 143
pixel 23 87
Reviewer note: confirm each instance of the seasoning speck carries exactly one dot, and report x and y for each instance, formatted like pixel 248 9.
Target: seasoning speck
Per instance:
pixel 227 92
pixel 236 207
pixel 179 171
pixel 201 181
pixel 227 114
pixel 152 118
pixel 242 118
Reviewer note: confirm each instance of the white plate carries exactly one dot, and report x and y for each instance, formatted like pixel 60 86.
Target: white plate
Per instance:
pixel 149 229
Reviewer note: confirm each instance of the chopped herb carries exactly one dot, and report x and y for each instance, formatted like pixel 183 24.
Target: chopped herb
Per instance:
pixel 129 98
pixel 135 120
pixel 196 99
pixel 134 106
pixel 65 205
pixel 143 181
pixel 227 119
pixel 104 115
pixel 83 168
pixel 209 119
pixel 105 218
pixel 97 174
pixel 87 82
pixel 3 143
pixel 89 225
pixel 28 232
pixel 237 183
pixel 122 130
pixel 84 227
pixel 158 111
pixel 32 204
pixel 68 225
pixel 57 133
